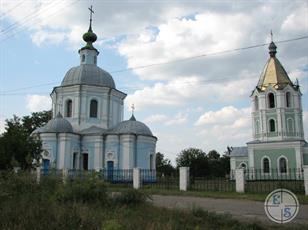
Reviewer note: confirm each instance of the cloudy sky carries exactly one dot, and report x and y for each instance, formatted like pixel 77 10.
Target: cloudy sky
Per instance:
pixel 168 56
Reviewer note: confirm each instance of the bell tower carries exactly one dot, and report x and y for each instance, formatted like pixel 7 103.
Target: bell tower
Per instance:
pixel 276 104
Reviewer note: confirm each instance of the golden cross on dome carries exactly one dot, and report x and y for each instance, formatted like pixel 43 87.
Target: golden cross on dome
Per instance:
pixel 133 109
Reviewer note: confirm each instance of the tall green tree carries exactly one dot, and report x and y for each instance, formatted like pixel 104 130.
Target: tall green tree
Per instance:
pixel 17 147
pixel 163 165
pixel 195 159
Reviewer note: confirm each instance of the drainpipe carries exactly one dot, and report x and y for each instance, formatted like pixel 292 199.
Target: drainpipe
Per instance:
pixel 108 107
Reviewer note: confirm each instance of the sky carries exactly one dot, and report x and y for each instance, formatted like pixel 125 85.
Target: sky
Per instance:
pixel 168 56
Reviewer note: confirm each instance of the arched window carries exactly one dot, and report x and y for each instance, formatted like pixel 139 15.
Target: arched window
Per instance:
pixel 282 165
pixel 266 165
pixel 68 110
pixel 290 125
pixel 256 103
pixel 271 100
pixel 243 165
pixel 272 125
pixel 257 127
pixel 93 108
pixel 83 58
pixel 288 99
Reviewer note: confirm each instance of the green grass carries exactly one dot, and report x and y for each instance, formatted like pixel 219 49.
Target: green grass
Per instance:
pixel 90 204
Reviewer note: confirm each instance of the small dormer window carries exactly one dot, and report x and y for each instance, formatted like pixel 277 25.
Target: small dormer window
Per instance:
pixel 83 58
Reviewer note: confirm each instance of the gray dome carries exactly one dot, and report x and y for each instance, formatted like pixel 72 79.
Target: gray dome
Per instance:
pixel 57 125
pixel 88 74
pixel 131 126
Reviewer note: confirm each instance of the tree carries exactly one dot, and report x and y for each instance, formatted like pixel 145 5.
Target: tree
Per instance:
pixel 195 159
pixel 164 166
pixel 213 155
pixel 17 147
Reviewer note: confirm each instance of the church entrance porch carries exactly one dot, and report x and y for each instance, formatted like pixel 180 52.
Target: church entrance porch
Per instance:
pixel 46 164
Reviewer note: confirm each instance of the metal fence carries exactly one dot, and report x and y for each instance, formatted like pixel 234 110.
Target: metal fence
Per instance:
pixel 212 184
pixel 151 179
pixel 258 181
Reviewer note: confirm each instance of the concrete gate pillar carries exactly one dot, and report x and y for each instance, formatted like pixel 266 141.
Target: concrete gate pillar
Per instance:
pixel 239 180
pixel 184 178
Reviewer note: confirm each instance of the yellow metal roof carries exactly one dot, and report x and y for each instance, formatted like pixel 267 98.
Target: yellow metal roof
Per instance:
pixel 274 74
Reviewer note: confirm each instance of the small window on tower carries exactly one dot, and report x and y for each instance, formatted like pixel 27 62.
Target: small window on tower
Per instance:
pixel 271 100
pixel 288 99
pixel 93 108
pixel 95 60
pixel 68 110
pixel 256 103
pixel 83 58
pixel 272 125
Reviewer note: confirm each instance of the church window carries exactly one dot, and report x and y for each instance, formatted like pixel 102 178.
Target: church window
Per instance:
pixel 282 165
pixel 93 108
pixel 95 60
pixel 83 58
pixel 256 103
pixel 272 125
pixel 68 111
pixel 257 127
pixel 243 165
pixel 271 100
pixel 288 99
pixel 75 160
pixel 266 165
pixel 290 125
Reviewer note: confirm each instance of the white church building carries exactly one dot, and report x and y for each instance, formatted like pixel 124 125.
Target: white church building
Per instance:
pixel 87 131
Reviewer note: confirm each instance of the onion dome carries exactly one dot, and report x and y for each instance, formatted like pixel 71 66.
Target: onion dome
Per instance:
pixel 88 75
pixel 131 126
pixel 89 37
pixel 57 125
pixel 273 73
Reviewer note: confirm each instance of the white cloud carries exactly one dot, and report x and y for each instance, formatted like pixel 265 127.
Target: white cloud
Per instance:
pixel 180 91
pixel 297 21
pixel 229 125
pixel 226 115
pixel 35 103
pixel 156 118
pixel 2 125
pixel 179 118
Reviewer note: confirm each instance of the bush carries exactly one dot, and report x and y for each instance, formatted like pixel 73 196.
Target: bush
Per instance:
pixel 131 197
pixel 91 190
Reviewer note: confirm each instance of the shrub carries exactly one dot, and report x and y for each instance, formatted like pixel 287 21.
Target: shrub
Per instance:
pixel 132 197
pixel 91 190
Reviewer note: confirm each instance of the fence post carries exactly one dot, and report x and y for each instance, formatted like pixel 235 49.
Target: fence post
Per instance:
pixel 136 178
pixel 38 174
pixel 239 180
pixel 64 175
pixel 184 178
pixel 306 179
